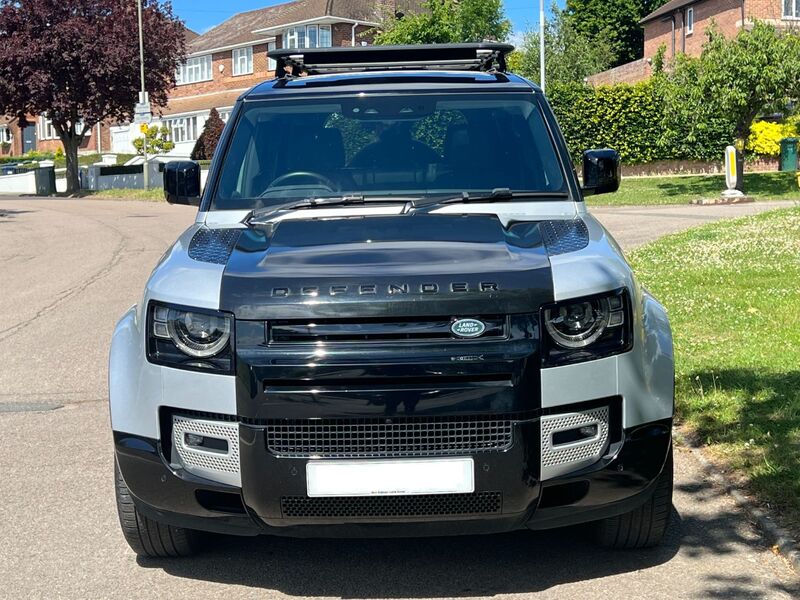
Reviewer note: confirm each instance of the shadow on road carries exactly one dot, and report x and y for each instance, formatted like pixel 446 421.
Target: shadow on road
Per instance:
pixel 7 214
pixel 520 562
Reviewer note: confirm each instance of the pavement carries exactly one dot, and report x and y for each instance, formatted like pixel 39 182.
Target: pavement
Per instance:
pixel 70 268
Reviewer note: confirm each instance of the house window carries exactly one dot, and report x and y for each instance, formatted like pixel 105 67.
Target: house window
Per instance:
pixel 324 36
pixel 271 64
pixel 194 69
pixel 243 61
pixel 46 129
pixel 182 129
pixel 310 36
pixel 225 114
pixel 689 21
pixel 5 134
pixel 791 9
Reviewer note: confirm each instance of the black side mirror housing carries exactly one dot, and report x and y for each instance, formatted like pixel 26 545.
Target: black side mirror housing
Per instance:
pixel 182 182
pixel 601 172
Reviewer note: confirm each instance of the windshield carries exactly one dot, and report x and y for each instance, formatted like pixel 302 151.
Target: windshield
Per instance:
pixel 404 145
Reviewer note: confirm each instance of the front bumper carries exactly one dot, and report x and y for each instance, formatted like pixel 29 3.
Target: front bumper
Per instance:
pixel 509 493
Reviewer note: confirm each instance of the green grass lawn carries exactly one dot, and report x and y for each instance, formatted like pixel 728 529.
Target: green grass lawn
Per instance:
pixel 732 290
pixel 681 190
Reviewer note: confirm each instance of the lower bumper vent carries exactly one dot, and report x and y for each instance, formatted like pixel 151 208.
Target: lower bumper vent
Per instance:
pixel 436 505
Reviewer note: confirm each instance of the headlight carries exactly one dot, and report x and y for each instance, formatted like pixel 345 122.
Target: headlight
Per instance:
pixel 586 328
pixel 179 336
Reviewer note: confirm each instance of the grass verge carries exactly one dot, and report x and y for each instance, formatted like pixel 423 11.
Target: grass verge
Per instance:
pixel 154 195
pixel 732 290
pixel 682 190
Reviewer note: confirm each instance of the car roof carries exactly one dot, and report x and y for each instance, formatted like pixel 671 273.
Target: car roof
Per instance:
pixel 434 66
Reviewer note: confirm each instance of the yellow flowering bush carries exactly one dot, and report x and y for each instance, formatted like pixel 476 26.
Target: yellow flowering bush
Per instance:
pixel 765 137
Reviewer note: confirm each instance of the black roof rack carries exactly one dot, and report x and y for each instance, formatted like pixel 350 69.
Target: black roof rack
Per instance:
pixel 484 56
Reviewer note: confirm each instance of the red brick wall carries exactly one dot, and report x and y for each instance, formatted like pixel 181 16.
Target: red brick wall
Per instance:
pixel 727 14
pixel 342 34
pixel 766 10
pixel 632 72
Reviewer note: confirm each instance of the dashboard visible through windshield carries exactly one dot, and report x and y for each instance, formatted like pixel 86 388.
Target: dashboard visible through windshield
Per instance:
pixel 403 145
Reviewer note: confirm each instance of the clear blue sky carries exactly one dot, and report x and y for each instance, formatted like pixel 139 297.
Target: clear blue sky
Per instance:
pixel 201 15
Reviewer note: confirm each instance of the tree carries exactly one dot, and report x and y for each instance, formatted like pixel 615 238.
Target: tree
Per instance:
pixel 158 141
pixel 570 56
pixel 616 21
pixel 77 62
pixel 733 81
pixel 447 21
pixel 207 142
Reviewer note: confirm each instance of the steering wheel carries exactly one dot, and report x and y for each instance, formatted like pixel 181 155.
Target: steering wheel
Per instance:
pixel 321 179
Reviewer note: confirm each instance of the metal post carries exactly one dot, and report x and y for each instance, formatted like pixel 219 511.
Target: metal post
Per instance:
pixel 541 43
pixel 143 96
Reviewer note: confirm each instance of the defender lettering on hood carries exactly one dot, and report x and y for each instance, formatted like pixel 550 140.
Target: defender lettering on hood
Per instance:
pixel 393 289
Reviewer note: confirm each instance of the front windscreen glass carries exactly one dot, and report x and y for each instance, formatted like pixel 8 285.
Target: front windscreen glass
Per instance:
pixel 402 145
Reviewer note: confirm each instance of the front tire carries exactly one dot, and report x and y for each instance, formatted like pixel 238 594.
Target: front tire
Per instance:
pixel 645 526
pixel 147 537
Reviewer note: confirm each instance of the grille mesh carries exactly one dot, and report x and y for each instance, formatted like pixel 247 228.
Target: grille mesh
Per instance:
pixel 219 466
pixel 479 503
pixel 568 457
pixel 562 237
pixel 353 438
pixel 213 245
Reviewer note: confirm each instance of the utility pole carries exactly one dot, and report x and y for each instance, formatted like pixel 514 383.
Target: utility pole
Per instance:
pixel 143 95
pixel 541 43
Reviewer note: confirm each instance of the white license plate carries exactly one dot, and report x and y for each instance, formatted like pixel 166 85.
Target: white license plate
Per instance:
pixel 390 477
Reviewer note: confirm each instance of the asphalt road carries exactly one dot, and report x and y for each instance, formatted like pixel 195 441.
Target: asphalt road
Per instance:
pixel 69 269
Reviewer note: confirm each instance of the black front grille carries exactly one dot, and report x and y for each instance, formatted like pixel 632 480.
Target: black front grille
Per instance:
pixel 433 505
pixel 388 437
pixel 377 330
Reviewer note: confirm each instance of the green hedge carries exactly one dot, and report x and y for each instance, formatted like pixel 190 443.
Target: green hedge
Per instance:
pixel 631 119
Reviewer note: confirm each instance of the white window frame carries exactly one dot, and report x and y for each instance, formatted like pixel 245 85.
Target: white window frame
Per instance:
pixel 794 10
pixel 46 129
pixel 6 136
pixel 690 20
pixel 271 63
pixel 300 36
pixel 194 70
pixel 225 114
pixel 182 129
pixel 242 61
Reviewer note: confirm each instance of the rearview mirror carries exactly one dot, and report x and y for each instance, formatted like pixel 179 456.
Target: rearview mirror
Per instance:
pixel 182 182
pixel 601 172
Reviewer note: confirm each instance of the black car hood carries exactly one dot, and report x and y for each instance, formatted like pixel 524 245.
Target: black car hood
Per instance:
pixel 398 266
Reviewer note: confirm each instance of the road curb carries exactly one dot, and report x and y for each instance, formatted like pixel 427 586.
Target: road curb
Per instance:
pixel 777 536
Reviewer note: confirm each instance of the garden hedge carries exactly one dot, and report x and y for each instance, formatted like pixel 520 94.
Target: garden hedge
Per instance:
pixel 631 119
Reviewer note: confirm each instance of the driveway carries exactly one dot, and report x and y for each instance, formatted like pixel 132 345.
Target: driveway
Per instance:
pixel 70 268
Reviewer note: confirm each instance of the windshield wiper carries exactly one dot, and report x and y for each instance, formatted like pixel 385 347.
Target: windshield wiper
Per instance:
pixel 310 203
pixel 501 195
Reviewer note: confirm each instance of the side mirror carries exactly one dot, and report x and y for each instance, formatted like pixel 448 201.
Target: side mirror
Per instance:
pixel 182 182
pixel 601 172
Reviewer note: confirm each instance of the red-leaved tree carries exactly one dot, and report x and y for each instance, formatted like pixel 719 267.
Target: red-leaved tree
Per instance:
pixel 77 62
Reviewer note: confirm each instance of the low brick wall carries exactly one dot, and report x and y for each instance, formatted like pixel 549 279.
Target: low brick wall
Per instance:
pixel 632 72
pixel 681 167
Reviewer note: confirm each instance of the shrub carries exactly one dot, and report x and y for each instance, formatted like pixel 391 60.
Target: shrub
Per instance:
pixel 765 137
pixel 158 141
pixel 207 142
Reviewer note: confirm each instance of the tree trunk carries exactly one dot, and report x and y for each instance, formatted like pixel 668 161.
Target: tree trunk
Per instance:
pixel 71 153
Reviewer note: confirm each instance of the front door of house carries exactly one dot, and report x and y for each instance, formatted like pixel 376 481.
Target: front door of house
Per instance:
pixel 29 138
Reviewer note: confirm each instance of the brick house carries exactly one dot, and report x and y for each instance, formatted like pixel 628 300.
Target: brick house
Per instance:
pixel 232 57
pixel 39 134
pixel 680 26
